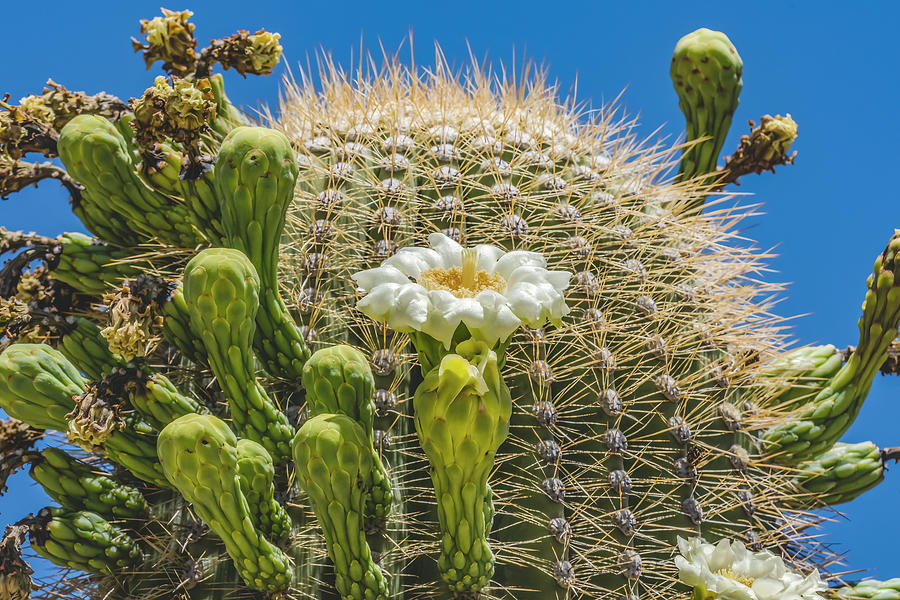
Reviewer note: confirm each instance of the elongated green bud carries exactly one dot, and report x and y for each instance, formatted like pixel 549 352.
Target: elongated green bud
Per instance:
pixel 177 328
pixel 116 204
pixel 257 479
pixel 801 374
pixel 38 385
pixel 199 456
pixel 823 421
pixel 221 292
pixel 255 176
pixel 82 540
pixel 462 413
pixel 706 72
pixel 334 467
pixel 157 399
pixel 92 266
pixel 837 476
pixel 872 590
pixel 78 486
pixel 85 347
pixel 338 380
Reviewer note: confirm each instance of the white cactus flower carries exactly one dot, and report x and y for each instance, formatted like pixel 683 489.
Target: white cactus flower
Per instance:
pixel 728 571
pixel 490 291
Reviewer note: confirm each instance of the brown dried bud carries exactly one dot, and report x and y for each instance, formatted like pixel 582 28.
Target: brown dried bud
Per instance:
pixel 169 38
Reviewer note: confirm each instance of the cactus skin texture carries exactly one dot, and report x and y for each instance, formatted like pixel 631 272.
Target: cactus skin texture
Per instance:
pixel 199 456
pixel 221 290
pixel 462 413
pixel 706 72
pixel 83 540
pixel 827 417
pixel 334 466
pixel 338 380
pixel 72 482
pixel 255 176
pixel 566 465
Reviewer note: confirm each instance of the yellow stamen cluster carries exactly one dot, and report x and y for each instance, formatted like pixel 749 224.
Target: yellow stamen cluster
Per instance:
pixel 461 283
pixel 748 581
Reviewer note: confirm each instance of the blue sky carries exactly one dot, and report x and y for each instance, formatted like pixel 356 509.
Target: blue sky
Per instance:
pixel 830 64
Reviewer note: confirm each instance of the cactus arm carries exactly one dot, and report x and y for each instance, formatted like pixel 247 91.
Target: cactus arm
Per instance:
pixel 827 417
pixel 221 291
pixel 199 457
pixel 255 176
pixel 333 466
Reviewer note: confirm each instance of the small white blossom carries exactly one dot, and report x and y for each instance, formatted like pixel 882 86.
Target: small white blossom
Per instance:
pixel 433 290
pixel 728 571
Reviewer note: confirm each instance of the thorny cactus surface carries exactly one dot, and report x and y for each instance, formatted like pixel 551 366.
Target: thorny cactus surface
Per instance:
pixel 416 336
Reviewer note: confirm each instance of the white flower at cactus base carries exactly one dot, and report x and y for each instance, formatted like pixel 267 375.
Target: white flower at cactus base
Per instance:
pixel 728 571
pixel 491 292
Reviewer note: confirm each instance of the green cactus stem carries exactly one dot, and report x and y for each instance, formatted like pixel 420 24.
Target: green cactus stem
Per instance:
pixel 462 414
pixel 257 478
pixel 706 72
pixel 91 266
pixel 82 540
pixel 822 421
pixel 872 590
pixel 38 385
pixel 338 380
pixel 839 475
pixel 255 176
pixel 800 374
pixel 199 456
pixel 334 466
pixel 85 347
pixel 77 485
pixel 221 290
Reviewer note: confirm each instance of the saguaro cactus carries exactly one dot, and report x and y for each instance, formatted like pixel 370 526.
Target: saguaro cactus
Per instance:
pixel 541 372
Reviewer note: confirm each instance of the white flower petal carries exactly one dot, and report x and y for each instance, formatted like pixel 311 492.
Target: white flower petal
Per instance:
pixel 488 257
pixel 368 279
pixel 532 294
pixel 726 569
pixel 511 261
pixel 412 262
pixel 449 251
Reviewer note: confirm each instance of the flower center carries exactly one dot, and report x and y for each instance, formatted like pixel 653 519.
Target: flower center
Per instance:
pixel 748 581
pixel 463 282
